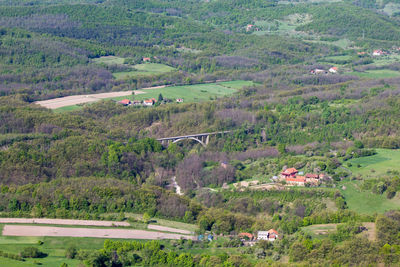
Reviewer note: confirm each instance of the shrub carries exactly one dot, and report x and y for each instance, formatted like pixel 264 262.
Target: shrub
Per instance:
pixel 70 252
pixel 32 252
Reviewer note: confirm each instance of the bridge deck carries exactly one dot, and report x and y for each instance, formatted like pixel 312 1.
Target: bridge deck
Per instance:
pixel 191 135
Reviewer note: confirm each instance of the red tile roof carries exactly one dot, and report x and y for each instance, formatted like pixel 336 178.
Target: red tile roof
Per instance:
pixel 125 101
pixel 273 231
pixel 312 175
pixel 250 236
pixel 299 179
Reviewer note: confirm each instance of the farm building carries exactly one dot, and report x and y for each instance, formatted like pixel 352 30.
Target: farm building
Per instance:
pixel 148 102
pixel 291 172
pixel 333 70
pixel 125 102
pixel 270 235
pixel 378 52
pixel 179 100
pixel 146 59
pixel 299 181
pixel 318 71
pixel 312 178
pixel 247 236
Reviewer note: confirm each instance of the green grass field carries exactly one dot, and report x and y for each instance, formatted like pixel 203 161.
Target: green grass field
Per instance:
pixel 196 92
pixel 319 231
pixel 371 167
pixel 376 74
pixel 376 165
pixel 54 247
pixel 189 93
pixel 146 69
pixel 109 60
pixel 366 202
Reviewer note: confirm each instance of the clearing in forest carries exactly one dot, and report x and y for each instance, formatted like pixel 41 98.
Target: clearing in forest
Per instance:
pixel 146 69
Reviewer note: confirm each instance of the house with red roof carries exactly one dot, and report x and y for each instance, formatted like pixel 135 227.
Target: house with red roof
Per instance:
pixel 248 236
pixel 179 100
pixel 378 52
pixel 270 235
pixel 125 102
pixel 148 102
pixel 290 172
pixel 146 59
pixel 297 181
pixel 333 70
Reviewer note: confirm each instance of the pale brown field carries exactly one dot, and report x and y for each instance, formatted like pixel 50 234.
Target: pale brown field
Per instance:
pixel 25 230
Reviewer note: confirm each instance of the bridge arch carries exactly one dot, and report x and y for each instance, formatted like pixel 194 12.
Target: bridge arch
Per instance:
pixel 192 138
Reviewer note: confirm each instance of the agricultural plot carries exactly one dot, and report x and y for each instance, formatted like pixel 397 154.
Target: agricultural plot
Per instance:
pixel 342 43
pixel 54 247
pixel 320 231
pixel 195 93
pixel 376 74
pixel 28 230
pixel 146 69
pixel 109 60
pixel 371 167
pixel 366 202
pixel 79 99
pixel 376 165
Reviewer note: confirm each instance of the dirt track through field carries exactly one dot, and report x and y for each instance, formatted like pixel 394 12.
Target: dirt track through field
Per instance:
pixel 22 230
pixel 63 222
pixel 168 229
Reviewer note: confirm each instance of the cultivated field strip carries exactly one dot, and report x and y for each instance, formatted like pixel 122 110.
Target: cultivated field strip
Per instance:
pixel 22 230
pixel 168 229
pixel 63 222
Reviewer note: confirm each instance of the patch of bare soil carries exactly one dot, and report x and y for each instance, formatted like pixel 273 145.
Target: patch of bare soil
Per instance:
pixel 24 230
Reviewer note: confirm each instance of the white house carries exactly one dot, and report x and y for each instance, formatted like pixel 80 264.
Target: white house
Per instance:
pixel 333 70
pixel 270 235
pixel 377 52
pixel 262 235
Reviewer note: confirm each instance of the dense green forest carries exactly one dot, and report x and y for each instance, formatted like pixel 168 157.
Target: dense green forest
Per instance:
pixel 102 160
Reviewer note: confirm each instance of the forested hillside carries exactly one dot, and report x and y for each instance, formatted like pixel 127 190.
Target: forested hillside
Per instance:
pixel 310 87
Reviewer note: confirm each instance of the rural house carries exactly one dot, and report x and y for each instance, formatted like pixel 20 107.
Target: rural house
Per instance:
pixel 146 59
pixel 378 52
pixel 179 100
pixel 125 102
pixel 244 236
pixel 312 178
pixel 333 70
pixel 270 235
pixel 148 102
pixel 291 172
pixel 318 71
pixel 299 181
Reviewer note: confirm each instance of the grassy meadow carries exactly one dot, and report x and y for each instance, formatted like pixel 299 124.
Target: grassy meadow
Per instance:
pixel 366 202
pixel 376 165
pixel 196 92
pixel 189 93
pixel 146 69
pixel 376 74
